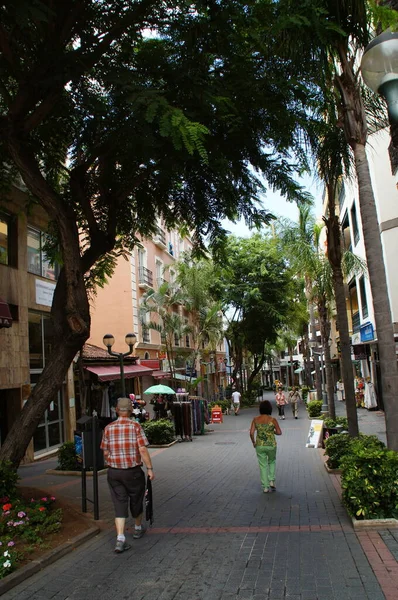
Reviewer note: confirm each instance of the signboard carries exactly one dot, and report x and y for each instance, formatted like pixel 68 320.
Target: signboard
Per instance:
pixel 216 414
pixel 367 332
pixel 44 292
pixel 360 352
pixel 314 434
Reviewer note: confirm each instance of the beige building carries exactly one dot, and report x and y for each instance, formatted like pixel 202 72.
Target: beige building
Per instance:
pixel 27 283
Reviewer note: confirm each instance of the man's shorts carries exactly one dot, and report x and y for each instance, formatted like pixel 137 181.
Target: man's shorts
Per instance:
pixel 127 486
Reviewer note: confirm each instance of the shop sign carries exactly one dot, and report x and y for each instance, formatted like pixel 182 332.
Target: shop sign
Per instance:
pixel 314 434
pixel 44 292
pixel 355 339
pixel 216 414
pixel 367 332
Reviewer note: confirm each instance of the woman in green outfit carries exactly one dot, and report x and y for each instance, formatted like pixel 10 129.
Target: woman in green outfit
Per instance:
pixel 262 433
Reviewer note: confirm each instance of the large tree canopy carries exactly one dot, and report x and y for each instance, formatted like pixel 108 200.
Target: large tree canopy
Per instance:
pixel 117 112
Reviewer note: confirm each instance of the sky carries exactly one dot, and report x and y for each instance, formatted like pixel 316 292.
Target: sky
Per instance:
pixel 278 206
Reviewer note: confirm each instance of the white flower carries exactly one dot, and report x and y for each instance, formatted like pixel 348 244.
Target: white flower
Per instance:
pixel 7 564
pixel 6 553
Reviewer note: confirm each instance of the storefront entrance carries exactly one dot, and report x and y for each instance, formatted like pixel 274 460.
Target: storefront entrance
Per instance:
pixel 50 431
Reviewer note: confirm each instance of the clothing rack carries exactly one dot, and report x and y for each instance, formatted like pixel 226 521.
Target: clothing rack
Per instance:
pixel 182 416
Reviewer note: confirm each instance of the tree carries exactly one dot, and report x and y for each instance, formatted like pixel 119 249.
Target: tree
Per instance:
pixel 334 35
pixel 109 127
pixel 253 285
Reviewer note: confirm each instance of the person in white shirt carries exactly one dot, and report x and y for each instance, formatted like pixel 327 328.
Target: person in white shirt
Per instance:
pixel 236 401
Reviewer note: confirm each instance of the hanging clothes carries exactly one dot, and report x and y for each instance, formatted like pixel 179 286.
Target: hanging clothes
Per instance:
pixel 370 395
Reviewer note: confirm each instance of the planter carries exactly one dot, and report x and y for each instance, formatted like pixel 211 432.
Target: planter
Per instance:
pixel 162 445
pixel 332 471
pixel 374 523
pixel 74 473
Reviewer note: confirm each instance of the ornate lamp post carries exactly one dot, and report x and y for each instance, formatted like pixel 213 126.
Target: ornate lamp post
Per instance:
pixel 379 68
pixel 130 339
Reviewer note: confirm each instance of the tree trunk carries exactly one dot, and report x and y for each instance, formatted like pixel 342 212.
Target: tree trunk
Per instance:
pixel 334 256
pixel 378 284
pixel 71 331
pixel 291 366
pixel 325 333
pixel 317 367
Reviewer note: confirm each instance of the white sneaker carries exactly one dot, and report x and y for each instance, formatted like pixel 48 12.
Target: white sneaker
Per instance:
pixel 283 418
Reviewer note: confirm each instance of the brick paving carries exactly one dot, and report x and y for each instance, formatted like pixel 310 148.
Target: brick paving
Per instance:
pixel 216 536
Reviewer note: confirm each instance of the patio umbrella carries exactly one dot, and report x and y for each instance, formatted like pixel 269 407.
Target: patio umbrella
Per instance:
pixel 159 389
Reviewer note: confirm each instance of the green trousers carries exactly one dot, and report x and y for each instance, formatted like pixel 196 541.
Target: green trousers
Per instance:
pixel 266 456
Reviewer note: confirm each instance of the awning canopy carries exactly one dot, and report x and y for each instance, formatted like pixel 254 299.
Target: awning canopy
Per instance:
pixel 161 374
pixel 299 370
pixel 112 373
pixel 5 315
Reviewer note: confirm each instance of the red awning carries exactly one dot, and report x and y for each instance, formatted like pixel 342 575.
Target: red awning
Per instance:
pixel 5 315
pixel 113 373
pixel 161 375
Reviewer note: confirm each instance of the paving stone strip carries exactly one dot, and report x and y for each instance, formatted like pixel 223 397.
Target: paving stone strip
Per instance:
pixel 217 536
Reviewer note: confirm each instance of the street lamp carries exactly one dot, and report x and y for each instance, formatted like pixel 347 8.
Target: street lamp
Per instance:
pixel 108 341
pixel 319 352
pixel 379 68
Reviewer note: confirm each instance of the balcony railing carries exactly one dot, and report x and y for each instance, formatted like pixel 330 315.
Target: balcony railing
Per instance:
pixel 159 238
pixel 356 322
pixel 145 277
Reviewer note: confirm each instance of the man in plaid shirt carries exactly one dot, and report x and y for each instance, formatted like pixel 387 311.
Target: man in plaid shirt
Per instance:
pixel 124 445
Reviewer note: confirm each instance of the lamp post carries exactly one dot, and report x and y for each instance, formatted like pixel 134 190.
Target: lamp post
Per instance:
pixel 108 341
pixel 319 352
pixel 379 68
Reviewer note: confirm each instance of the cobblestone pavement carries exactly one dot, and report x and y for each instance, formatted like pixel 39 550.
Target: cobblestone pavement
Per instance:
pixel 217 536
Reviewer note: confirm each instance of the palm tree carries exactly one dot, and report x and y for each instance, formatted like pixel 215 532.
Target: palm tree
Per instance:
pixel 168 323
pixel 329 42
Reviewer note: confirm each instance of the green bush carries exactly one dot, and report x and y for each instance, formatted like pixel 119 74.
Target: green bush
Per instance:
pixel 370 480
pixel 314 408
pixel 67 458
pixel 248 399
pixel 304 393
pixel 159 432
pixel 331 423
pixel 8 481
pixel 338 446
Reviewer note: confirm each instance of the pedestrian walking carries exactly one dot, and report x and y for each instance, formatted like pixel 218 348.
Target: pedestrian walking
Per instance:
pixel 124 445
pixel 262 434
pixel 280 402
pixel 294 398
pixel 236 401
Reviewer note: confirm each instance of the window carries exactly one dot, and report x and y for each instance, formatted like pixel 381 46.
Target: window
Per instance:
pixel 40 338
pixel 362 294
pixel 8 240
pixel 38 262
pixel 345 226
pixel 176 340
pixel 354 222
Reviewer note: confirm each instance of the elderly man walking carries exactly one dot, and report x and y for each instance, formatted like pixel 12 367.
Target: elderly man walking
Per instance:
pixel 124 445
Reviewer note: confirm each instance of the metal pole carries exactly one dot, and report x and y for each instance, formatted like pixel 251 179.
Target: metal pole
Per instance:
pixel 84 490
pixel 121 356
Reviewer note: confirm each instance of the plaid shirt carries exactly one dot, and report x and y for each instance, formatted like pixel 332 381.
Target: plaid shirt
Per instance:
pixel 122 440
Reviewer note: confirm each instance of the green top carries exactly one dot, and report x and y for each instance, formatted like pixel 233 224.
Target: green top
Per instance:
pixel 265 434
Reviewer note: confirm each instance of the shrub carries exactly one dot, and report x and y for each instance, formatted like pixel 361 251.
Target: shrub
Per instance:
pixel 370 480
pixel 314 408
pixel 338 446
pixel 304 393
pixel 159 432
pixel 67 457
pixel 331 423
pixel 248 398
pixel 8 480
pixel 335 448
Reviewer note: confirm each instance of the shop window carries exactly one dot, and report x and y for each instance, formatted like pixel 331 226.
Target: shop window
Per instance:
pixel 362 294
pixel 40 338
pixel 8 240
pixel 354 222
pixel 38 261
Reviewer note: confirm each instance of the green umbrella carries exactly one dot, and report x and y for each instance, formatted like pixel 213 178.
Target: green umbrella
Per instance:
pixel 159 389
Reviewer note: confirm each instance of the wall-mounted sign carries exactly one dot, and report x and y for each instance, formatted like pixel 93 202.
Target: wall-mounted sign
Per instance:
pixel 44 292
pixel 367 332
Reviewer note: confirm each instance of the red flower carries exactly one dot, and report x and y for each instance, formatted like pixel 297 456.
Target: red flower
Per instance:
pixel 42 508
pixel 7 507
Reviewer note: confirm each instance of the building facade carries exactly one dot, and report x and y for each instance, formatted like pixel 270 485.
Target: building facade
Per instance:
pixel 27 283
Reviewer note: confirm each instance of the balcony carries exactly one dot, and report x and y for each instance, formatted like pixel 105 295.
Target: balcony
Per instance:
pixel 145 278
pixel 159 238
pixel 356 322
pixel 160 281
